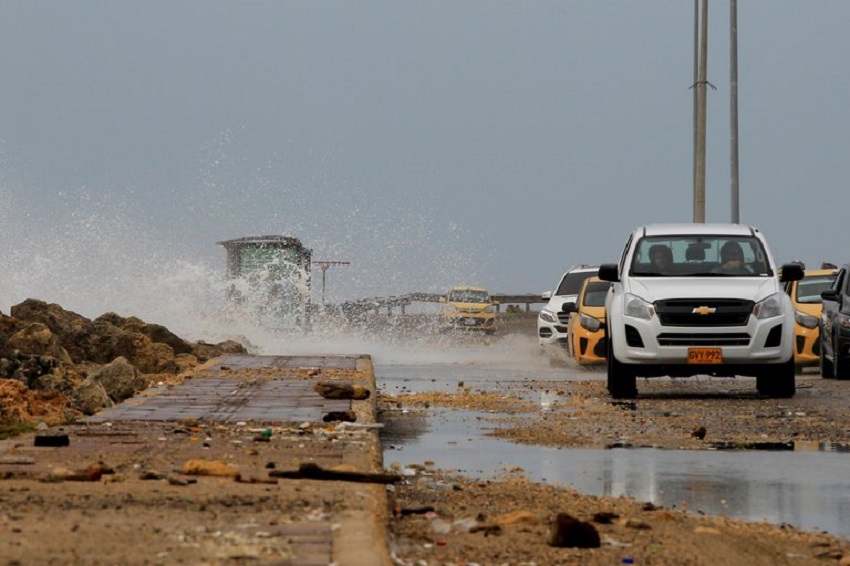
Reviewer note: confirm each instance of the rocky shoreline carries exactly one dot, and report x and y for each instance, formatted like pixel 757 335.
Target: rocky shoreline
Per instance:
pixel 57 365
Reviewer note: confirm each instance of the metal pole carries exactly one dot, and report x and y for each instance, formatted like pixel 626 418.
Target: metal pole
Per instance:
pixel 699 196
pixel 325 265
pixel 694 88
pixel 733 112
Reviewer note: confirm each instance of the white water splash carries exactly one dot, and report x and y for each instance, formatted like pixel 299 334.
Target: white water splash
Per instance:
pixel 94 251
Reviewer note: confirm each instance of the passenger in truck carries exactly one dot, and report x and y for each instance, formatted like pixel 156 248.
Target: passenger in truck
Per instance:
pixel 662 258
pixel 732 260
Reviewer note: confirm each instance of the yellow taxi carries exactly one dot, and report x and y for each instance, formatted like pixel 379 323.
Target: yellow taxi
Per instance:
pixel 805 296
pixel 586 325
pixel 468 308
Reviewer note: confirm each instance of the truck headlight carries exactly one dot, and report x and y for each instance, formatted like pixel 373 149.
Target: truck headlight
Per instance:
pixel 769 308
pixel 636 307
pixel 589 323
pixel 547 316
pixel 805 320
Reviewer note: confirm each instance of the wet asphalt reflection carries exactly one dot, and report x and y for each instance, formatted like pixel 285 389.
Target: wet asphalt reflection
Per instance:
pixel 808 487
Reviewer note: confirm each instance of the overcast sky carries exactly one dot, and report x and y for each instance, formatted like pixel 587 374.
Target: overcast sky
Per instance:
pixel 428 143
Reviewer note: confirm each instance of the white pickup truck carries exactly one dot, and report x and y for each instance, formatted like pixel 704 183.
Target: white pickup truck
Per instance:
pixel 699 299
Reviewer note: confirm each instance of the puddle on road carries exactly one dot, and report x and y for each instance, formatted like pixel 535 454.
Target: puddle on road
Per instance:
pixel 807 487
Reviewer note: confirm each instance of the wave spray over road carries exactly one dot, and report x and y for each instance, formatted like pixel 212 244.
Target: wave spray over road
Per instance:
pixel 91 256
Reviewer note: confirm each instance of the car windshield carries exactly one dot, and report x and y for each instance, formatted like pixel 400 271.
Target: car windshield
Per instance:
pixel 469 296
pixel 572 282
pixel 595 293
pixel 809 288
pixel 700 256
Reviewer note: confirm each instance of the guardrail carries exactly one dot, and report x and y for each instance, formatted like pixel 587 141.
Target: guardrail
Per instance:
pixel 401 302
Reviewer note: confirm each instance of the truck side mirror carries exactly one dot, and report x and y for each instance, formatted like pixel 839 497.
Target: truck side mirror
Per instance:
pixel 609 272
pixel 829 295
pixel 790 272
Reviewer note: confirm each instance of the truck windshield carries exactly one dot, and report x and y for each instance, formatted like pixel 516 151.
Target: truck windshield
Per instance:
pixel 469 296
pixel 700 256
pixel 809 289
pixel 572 282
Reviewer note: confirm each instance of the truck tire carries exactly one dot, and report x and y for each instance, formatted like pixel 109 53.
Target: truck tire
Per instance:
pixel 622 382
pixel 841 366
pixel 825 365
pixel 778 382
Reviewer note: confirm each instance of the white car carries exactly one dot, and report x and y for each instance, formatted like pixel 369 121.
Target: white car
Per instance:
pixel 715 306
pixel 551 324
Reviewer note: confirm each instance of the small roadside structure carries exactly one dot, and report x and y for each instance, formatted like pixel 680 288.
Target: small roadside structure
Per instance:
pixel 269 279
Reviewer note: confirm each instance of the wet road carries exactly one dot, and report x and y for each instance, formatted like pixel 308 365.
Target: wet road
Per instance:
pixel 807 488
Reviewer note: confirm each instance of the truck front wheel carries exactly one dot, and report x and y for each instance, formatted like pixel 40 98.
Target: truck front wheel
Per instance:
pixel 622 382
pixel 778 382
pixel 824 364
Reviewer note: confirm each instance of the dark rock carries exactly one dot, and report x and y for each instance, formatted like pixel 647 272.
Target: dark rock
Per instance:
pixel 330 390
pixel 344 416
pixel 156 332
pixel 95 342
pixel 184 362
pixel 51 440
pixel 605 517
pixel 37 339
pixel 90 397
pixel 8 326
pixel 57 319
pixel 204 351
pixel 120 379
pixel 139 351
pixel 568 532
pixel 58 357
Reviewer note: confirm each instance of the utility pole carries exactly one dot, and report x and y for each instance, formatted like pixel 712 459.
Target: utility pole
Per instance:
pixel 733 111
pixel 325 265
pixel 702 82
pixel 696 101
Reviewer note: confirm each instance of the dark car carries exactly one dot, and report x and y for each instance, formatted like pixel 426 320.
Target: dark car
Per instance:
pixel 835 327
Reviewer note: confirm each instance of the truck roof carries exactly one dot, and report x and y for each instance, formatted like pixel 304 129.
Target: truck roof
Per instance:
pixel 697 229
pixel 467 288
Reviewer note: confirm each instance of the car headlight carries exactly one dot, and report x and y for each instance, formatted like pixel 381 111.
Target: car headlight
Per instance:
pixel 451 309
pixel 805 320
pixel 548 316
pixel 490 309
pixel 636 307
pixel 589 323
pixel 843 320
pixel 769 308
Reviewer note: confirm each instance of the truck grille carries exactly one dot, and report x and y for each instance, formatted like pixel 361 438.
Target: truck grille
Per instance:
pixel 736 339
pixel 704 312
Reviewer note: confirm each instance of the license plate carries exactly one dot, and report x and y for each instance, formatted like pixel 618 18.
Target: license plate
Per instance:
pixel 469 321
pixel 705 355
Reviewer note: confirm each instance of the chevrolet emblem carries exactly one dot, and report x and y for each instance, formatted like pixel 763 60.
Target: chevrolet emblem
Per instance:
pixel 704 310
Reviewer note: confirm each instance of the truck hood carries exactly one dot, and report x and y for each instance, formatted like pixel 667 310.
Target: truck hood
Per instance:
pixel 657 288
pixel 471 307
